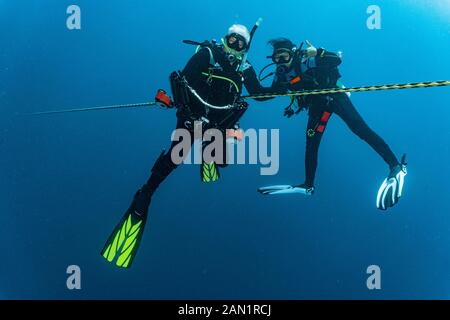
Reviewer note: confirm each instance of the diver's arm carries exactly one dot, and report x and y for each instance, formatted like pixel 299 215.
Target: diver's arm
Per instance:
pixel 327 59
pixel 254 87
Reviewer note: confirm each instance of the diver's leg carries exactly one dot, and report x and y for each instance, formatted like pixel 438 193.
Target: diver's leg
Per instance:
pixel 162 168
pixel 123 243
pixel 314 134
pixel 345 109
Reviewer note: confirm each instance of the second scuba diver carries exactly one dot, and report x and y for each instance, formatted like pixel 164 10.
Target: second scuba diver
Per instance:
pixel 313 69
pixel 207 91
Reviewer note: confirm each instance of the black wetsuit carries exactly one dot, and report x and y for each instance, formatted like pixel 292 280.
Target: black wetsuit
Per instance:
pixel 319 73
pixel 214 91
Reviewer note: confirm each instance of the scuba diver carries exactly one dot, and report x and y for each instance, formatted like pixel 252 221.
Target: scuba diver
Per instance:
pixel 206 93
pixel 313 69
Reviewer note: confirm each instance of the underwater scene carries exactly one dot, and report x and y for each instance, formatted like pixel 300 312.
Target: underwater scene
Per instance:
pixel 203 150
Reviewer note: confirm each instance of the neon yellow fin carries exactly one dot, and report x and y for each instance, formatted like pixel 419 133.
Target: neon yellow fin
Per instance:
pixel 124 240
pixel 210 172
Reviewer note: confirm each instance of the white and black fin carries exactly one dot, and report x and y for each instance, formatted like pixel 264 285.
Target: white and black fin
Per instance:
pixel 287 189
pixel 392 187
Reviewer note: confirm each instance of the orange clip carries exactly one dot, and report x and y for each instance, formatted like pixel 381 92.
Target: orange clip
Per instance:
pixel 296 80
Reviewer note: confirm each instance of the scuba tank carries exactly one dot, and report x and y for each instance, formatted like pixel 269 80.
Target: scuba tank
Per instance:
pixel 180 92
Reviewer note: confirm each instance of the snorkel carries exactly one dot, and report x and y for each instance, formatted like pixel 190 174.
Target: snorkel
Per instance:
pixel 252 34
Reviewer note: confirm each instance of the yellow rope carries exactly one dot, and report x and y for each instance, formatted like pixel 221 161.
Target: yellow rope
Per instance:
pixel 354 89
pixel 274 95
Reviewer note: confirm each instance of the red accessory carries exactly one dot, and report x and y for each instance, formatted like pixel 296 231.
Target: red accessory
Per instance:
pixel 323 122
pixel 163 98
pixel 296 80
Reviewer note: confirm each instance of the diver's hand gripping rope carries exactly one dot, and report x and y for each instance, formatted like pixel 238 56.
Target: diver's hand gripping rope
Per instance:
pixel 354 89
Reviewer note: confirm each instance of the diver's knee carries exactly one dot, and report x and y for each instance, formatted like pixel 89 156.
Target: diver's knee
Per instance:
pixel 362 130
pixel 164 164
